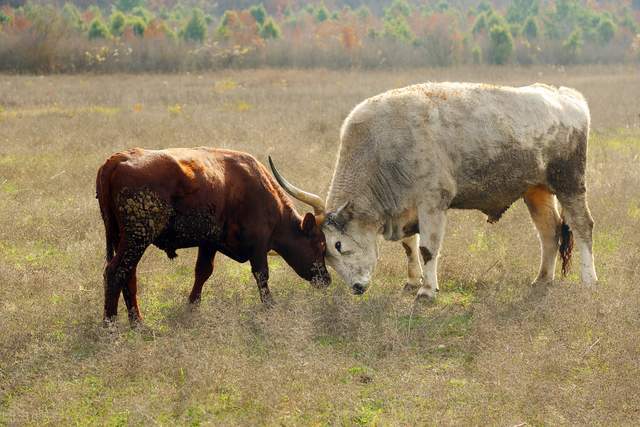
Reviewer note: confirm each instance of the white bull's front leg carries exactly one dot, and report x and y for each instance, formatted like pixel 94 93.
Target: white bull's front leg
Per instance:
pixel 432 222
pixel 414 262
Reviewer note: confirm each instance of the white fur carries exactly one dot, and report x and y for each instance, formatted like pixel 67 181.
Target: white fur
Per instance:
pixel 410 154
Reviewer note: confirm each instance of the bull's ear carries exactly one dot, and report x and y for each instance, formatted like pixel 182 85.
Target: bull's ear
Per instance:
pixel 344 214
pixel 308 223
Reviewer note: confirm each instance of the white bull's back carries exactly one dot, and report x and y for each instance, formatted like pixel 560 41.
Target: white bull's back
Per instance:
pixel 482 143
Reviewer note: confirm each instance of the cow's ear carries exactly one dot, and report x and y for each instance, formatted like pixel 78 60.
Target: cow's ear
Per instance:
pixel 308 223
pixel 344 214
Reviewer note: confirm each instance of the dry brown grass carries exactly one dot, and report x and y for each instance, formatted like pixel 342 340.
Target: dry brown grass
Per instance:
pixel 492 350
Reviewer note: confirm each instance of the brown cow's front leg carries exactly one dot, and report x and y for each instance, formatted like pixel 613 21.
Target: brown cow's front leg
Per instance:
pixel 129 293
pixel 260 269
pixel 204 268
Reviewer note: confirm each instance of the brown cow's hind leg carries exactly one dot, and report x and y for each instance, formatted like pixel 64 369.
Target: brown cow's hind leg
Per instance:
pixel 118 274
pixel 129 293
pixel 204 268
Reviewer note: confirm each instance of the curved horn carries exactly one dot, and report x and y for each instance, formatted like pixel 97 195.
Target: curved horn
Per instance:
pixel 309 198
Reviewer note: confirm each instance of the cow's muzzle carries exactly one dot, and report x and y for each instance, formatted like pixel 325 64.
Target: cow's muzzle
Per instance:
pixel 321 281
pixel 358 288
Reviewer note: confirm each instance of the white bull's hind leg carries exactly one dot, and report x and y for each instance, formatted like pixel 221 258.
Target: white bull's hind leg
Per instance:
pixel 545 216
pixel 432 222
pixel 414 263
pixel 576 213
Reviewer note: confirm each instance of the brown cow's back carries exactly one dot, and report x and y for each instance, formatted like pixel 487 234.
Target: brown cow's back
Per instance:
pixel 225 192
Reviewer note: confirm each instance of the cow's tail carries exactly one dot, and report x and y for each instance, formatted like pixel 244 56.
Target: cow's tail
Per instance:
pixel 566 246
pixel 104 196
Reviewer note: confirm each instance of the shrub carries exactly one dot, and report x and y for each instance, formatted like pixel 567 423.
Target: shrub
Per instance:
pixel 72 17
pixel 519 10
pixel 168 32
pixel 494 19
pixel 196 28
pixel 476 54
pixel 142 13
pixel 398 8
pixel 442 6
pixel 228 18
pixel 606 30
pixel 259 13
pixel 363 12
pixel 480 24
pixel 322 14
pixel 397 28
pixel 138 25
pixel 270 30
pixel 118 22
pixel 127 5
pixel 530 29
pixel 501 45
pixel 571 47
pixel 484 6
pixel 98 30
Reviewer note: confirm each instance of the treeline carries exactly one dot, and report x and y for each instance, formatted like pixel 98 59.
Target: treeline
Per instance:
pixel 157 35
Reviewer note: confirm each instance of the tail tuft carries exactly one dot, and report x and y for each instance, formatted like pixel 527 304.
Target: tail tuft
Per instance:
pixel 566 247
pixel 103 194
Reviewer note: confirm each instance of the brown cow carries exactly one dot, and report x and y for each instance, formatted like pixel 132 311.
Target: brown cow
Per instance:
pixel 217 200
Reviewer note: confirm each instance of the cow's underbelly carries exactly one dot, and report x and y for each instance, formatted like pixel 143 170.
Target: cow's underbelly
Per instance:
pixel 492 203
pixel 492 185
pixel 186 230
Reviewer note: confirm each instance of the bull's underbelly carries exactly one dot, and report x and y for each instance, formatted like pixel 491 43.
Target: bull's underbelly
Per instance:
pixel 186 230
pixel 491 185
pixel 492 203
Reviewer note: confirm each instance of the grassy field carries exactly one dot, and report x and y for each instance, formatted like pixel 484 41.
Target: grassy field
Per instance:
pixel 492 350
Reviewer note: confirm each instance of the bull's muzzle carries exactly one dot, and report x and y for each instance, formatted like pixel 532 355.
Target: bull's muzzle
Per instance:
pixel 358 288
pixel 321 281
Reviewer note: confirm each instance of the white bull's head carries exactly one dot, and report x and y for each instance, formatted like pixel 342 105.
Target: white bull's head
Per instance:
pixel 352 249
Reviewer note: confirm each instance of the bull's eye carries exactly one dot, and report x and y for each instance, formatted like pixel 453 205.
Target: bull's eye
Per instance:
pixel 338 246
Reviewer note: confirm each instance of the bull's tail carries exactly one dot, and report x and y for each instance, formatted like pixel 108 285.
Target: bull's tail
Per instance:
pixel 566 246
pixel 104 196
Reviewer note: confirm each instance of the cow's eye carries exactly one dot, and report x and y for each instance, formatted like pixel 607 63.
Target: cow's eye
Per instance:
pixel 338 246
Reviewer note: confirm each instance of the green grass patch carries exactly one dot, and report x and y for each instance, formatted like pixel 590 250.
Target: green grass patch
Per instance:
pixel 617 139
pixel 454 292
pixel 8 187
pixel 633 210
pixel 369 413
pixel 34 254
pixel 606 242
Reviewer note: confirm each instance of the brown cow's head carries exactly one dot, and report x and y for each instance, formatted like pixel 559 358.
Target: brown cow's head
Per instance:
pixel 310 247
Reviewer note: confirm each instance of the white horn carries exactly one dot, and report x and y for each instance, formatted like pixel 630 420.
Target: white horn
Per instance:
pixel 309 198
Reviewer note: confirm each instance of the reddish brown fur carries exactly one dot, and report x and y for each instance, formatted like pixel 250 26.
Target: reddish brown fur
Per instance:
pixel 217 200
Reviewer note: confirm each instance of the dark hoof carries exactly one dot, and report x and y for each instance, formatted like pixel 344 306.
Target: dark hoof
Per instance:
pixel 410 287
pixel 267 301
pixel 110 322
pixel 136 323
pixel 426 295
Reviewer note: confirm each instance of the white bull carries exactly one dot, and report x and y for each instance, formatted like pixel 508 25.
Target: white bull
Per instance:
pixel 408 155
